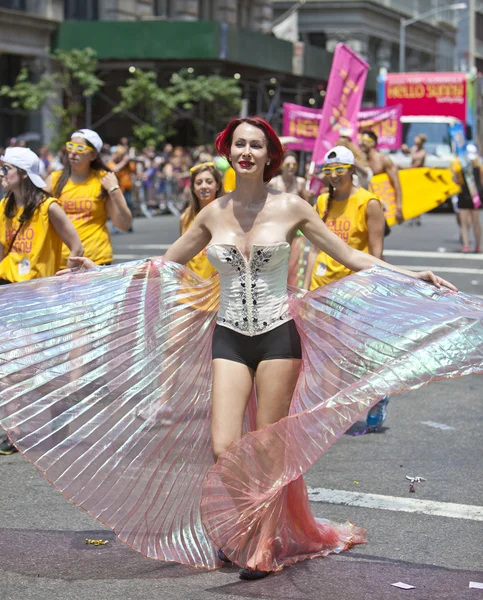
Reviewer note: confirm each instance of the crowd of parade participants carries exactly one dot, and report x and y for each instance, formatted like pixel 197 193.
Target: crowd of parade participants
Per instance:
pixel 60 211
pixel 68 204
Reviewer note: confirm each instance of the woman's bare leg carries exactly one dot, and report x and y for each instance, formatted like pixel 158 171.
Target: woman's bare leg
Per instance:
pixel 275 384
pixel 465 216
pixel 232 386
pixel 475 218
pixel 275 381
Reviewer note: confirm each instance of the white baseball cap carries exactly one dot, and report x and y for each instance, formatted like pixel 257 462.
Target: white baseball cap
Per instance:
pixel 339 154
pixel 91 136
pixel 25 159
pixel 471 151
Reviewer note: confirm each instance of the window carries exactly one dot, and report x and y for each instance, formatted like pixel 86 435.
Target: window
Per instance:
pixel 244 13
pixel 13 4
pixel 163 8
pixel 81 10
pixel 479 26
pixel 206 10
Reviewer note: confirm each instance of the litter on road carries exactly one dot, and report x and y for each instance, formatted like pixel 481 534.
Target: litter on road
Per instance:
pixel 403 586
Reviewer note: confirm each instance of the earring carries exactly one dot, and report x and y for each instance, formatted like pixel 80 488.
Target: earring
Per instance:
pixel 268 162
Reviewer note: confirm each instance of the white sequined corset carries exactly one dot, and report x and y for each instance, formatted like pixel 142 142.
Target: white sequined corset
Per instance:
pixel 253 294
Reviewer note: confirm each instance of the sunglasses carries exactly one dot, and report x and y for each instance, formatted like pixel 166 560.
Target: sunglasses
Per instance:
pixel 339 170
pixel 4 170
pixel 290 166
pixel 78 148
pixel 202 165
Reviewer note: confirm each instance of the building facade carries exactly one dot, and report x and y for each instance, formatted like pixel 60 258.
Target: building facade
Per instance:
pixel 224 37
pixel 469 50
pixel 372 28
pixel 26 29
pixel 252 14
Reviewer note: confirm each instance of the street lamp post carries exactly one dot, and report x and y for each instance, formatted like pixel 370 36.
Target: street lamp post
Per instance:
pixel 403 23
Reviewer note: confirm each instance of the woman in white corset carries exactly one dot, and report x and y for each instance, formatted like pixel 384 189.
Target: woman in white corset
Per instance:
pixel 248 233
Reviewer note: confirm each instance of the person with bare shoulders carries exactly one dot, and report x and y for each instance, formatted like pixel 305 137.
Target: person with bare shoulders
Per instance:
pixel 380 163
pixel 248 233
pixel 362 170
pixel 417 152
pixel 287 180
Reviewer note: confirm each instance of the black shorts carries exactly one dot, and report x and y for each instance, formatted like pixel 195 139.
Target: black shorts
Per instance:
pixel 465 202
pixel 281 342
pixel 4 281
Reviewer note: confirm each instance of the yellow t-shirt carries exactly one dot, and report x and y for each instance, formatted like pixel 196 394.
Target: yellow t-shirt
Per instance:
pixel 200 263
pixel 36 250
pixel 347 219
pixel 87 211
pixel 229 180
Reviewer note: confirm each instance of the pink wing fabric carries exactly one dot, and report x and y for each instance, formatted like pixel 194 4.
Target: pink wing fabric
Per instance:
pixel 105 385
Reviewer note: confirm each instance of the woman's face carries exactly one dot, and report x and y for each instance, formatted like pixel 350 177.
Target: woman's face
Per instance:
pixel 249 152
pixel 11 177
pixel 338 174
pixel 290 165
pixel 79 153
pixel 205 187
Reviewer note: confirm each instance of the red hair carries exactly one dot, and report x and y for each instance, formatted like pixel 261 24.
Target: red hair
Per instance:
pixel 274 145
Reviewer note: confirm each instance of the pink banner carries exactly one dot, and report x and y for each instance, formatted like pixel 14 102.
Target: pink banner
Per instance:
pixel 342 100
pixel 432 94
pixel 385 122
pixel 303 124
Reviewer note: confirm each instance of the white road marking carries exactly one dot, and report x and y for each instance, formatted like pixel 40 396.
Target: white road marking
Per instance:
pixel 146 246
pixel 437 269
pixel 410 505
pixel 437 425
pixel 440 255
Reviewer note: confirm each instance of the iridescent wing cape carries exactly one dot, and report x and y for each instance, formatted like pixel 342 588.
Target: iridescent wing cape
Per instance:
pixel 105 384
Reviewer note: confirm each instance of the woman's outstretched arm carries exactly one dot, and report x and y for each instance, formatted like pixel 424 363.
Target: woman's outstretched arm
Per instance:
pixel 316 231
pixel 193 241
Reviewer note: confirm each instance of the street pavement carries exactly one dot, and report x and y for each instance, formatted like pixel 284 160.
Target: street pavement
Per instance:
pixel 432 539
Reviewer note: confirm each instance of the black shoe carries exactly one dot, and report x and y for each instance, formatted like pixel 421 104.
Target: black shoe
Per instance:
pixel 223 557
pixel 6 447
pixel 252 574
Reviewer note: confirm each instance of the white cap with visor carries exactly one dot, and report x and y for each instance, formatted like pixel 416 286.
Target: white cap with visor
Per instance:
pixel 91 136
pixel 340 155
pixel 25 159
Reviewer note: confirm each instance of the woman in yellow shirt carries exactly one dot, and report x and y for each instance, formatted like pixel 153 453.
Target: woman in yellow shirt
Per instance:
pixel 89 193
pixel 32 229
pixel 351 212
pixel 206 184
pixel 32 225
pixel 357 217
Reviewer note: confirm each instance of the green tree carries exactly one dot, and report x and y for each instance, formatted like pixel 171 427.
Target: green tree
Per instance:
pixel 72 81
pixel 203 98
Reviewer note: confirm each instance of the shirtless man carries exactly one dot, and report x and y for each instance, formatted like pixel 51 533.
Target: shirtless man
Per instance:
pixel 417 152
pixel 380 163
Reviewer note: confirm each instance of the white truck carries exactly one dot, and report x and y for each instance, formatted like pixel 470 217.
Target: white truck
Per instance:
pixel 438 144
